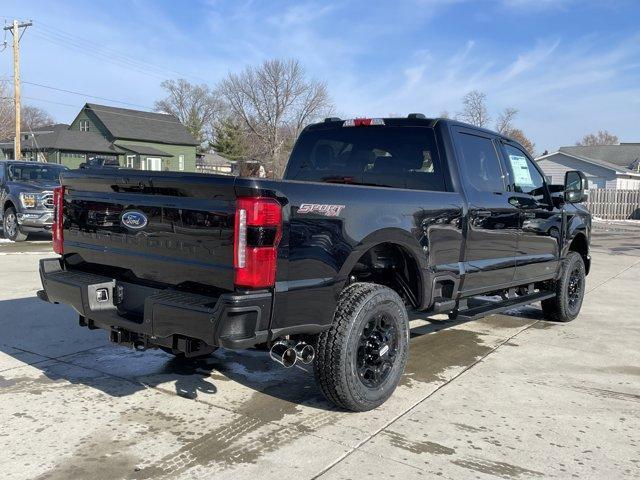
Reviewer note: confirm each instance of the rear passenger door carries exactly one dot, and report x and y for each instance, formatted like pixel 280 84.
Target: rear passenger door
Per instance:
pixel 540 224
pixel 492 224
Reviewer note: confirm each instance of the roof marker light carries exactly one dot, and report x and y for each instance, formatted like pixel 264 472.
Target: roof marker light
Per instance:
pixel 363 122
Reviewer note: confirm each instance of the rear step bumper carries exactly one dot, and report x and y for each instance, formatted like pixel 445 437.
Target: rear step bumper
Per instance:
pixel 231 320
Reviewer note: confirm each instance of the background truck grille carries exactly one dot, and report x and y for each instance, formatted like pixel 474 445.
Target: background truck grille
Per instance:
pixel 47 200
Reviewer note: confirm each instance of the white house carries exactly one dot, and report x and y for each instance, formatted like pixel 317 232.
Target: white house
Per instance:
pixel 605 166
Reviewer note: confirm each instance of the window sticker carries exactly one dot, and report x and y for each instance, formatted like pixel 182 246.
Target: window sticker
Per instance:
pixel 521 173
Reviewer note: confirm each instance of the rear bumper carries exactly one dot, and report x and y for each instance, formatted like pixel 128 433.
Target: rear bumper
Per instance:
pixel 231 320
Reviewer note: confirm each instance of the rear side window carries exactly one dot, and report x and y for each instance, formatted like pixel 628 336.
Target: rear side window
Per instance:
pixel 480 163
pixel 384 156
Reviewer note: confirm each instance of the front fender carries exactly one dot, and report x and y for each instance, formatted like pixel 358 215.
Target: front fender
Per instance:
pixel 578 233
pixel 577 224
pixel 11 198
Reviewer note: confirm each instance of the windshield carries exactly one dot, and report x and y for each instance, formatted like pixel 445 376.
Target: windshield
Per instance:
pixel 383 156
pixel 35 173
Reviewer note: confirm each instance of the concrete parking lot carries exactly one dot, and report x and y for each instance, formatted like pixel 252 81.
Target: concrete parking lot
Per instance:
pixel 508 396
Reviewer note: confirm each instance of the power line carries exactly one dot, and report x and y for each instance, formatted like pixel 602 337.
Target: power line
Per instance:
pixel 85 95
pixel 56 36
pixel 101 49
pixel 49 101
pixel 103 57
pixel 113 52
pixel 146 107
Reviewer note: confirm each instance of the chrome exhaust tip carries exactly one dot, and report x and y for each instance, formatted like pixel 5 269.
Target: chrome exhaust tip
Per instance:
pixel 284 353
pixel 305 352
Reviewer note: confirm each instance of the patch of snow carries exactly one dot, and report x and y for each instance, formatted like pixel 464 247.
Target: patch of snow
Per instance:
pixel 613 222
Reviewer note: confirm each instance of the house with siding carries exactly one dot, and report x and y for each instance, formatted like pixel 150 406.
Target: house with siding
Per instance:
pixel 138 139
pixel 58 144
pixel 605 166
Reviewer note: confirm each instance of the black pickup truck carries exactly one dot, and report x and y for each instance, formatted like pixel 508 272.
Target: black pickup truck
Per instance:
pixel 26 197
pixel 374 217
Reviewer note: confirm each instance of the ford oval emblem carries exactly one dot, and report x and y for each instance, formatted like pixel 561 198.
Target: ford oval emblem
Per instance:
pixel 134 220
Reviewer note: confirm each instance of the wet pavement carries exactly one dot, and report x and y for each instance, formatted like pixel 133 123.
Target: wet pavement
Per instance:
pixel 508 396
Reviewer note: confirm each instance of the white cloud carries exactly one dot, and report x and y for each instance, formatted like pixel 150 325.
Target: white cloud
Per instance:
pixel 561 89
pixel 537 5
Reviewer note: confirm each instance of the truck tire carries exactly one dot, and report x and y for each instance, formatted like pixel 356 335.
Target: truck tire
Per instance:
pixel 361 358
pixel 569 288
pixel 10 226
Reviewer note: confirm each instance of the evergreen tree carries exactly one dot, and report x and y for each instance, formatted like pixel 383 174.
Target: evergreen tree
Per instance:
pixel 230 140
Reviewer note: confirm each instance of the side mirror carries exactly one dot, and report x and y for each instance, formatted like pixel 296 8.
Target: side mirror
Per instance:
pixel 575 186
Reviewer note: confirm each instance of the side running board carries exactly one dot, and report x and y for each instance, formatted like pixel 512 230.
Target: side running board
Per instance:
pixel 483 310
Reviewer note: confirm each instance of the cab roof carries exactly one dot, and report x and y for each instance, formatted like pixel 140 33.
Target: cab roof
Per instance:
pixel 413 119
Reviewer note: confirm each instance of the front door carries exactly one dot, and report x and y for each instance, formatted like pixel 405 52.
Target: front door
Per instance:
pixel 492 221
pixel 540 225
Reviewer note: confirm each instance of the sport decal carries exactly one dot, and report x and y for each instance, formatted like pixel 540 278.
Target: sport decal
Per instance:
pixel 321 209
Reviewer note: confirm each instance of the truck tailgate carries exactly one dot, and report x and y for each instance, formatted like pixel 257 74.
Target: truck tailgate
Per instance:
pixel 165 228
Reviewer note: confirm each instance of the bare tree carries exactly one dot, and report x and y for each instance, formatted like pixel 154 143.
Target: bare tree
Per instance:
pixel 475 109
pixel 519 136
pixel 603 137
pixel 6 113
pixel 196 106
pixel 33 118
pixel 505 120
pixel 275 101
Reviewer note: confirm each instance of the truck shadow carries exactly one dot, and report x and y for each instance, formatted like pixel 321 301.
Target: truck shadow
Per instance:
pixel 48 338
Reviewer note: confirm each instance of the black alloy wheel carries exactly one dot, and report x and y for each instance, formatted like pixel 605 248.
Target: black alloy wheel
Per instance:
pixel 377 350
pixel 575 287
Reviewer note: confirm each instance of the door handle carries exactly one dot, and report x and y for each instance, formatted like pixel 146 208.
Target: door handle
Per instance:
pixel 529 214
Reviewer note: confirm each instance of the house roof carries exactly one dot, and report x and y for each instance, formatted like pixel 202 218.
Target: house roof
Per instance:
pixel 73 140
pixel 145 150
pixel 54 127
pixel 214 159
pixel 130 124
pixel 600 163
pixel 625 155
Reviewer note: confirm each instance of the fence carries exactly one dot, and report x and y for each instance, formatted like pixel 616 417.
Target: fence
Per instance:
pixel 610 204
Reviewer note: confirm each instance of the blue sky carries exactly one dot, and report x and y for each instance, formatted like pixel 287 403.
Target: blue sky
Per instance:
pixel 569 67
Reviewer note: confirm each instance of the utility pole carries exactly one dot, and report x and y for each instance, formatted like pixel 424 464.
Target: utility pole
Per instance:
pixel 17 36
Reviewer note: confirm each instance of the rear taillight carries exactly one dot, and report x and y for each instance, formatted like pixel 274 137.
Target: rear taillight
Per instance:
pixel 56 229
pixel 258 229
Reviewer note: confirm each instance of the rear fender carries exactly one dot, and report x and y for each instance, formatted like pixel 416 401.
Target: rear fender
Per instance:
pixel 394 236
